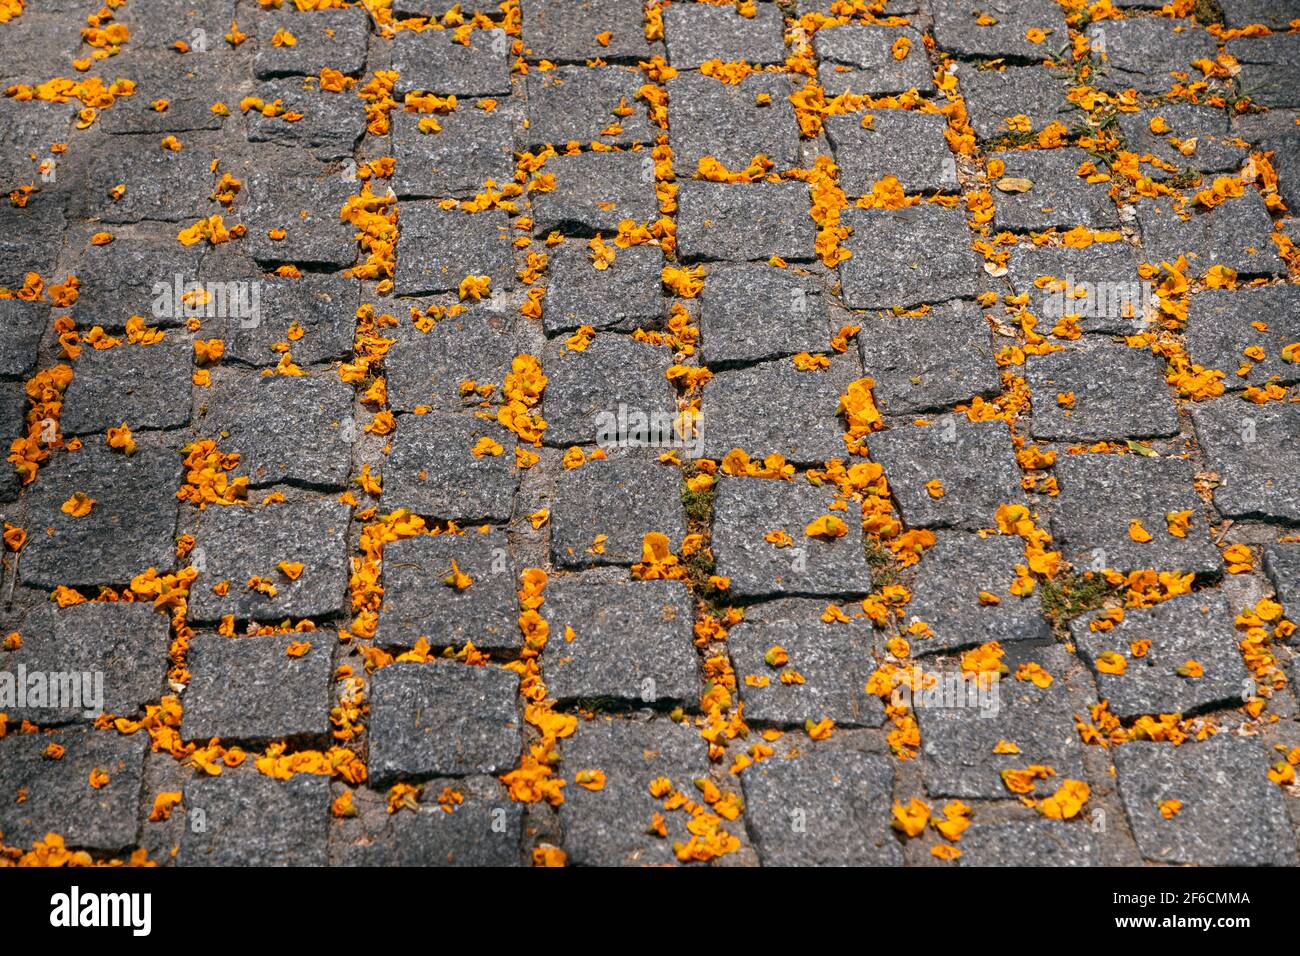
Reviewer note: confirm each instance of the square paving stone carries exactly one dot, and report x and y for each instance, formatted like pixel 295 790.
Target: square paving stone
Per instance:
pixel 325 38
pixel 472 147
pixel 697 32
pixel 59 798
pixel 1144 52
pixel 330 127
pixel 13 424
pixel 323 307
pixel 1236 234
pixel 1222 324
pixel 835 661
pixel 588 390
pixel 161 184
pixel 427 368
pixel 822 808
pixel 1099 285
pixel 145 386
pixel 1268 68
pixel 986 29
pixel 631 643
pixel 587 104
pixel 594 192
pixel 25 244
pixel 434 61
pixel 1216 780
pixel 608 827
pixel 130 529
pixel 438 248
pixel 419 603
pixel 1119 392
pixel 621 499
pixel 1276 14
pixel 22 325
pixel 1192 627
pixel 905 257
pixel 1201 130
pixel 929 362
pixel 433 471
pixel 905 144
pixel 242 542
pixel 1059 197
pixel 744 222
pixel 247 819
pixel 1282 565
pixel 115 656
pixel 1102 494
pixel 565 31
pixel 729 123
pixel 1029 843
pixel 775 407
pixel 27 128
pixel 307 209
pixel 285 429
pixel 745 510
pixel 1254 449
pixel 994 95
pixel 859 58
pixel 946 594
pixel 249 690
pixel 190 85
pixel 131 276
pixel 36 47
pixel 974 461
pixel 160 23
pixel 486 829
pixel 624 296
pixel 442 718
pixel 957 753
pixel 756 312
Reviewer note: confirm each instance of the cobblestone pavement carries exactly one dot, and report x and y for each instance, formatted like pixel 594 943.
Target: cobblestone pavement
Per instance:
pixel 593 432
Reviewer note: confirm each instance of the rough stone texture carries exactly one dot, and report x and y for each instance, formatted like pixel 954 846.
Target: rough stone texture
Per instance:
pixel 306 208
pixel 744 222
pixel 905 144
pixel 418 601
pixel 929 362
pixel 728 123
pixel 433 471
pixel 834 659
pixel 434 62
pixel 622 297
pixel 587 105
pixel 587 389
pixel 1222 324
pixel 775 407
pixel 330 127
pixel 1282 564
pixel 608 827
pixel 602 511
pixel 754 313
pixel 249 690
pixel 1222 778
pixel 24 324
pixel 248 819
pixel 238 543
pixel 1253 449
pixel 565 31
pixel 842 800
pixel 1102 494
pixel 1268 68
pixel 1276 14
pixel 115 656
pixel 117 281
pixel 426 369
pixel 1200 129
pixel 859 58
pixel 1118 392
pixel 594 192
pixel 442 718
pixel 974 462
pixel 946 593
pixel 1235 234
pixel 958 27
pixel 438 248
pixel 1099 285
pixel 695 33
pixel 906 257
pixel 145 386
pixel 747 509
pixel 323 307
pixel 1029 843
pixel 1191 627
pixel 325 38
pixel 620 643
pixel 130 527
pixel 1143 52
pixel 472 147
pixel 993 95
pixel 1059 197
